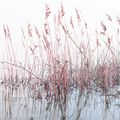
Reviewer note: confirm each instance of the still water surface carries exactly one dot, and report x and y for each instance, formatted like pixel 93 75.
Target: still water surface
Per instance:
pixel 24 104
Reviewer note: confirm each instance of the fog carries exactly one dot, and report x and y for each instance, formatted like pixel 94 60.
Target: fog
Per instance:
pixel 17 14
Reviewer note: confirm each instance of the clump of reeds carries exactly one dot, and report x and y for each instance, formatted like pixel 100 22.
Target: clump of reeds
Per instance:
pixel 59 57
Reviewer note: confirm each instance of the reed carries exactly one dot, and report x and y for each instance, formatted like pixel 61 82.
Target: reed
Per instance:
pixel 60 56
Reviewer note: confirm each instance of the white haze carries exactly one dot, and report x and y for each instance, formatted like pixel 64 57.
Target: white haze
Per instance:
pixel 18 13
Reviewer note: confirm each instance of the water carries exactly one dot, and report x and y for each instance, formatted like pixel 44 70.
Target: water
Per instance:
pixel 22 103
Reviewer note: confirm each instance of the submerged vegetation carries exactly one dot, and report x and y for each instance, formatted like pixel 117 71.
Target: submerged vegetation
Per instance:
pixel 62 59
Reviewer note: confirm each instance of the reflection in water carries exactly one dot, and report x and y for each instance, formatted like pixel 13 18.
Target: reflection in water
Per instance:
pixel 22 103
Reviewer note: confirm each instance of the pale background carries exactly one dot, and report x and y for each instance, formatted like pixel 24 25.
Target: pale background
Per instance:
pixel 18 13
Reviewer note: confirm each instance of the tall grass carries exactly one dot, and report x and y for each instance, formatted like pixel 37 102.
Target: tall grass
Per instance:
pixel 61 56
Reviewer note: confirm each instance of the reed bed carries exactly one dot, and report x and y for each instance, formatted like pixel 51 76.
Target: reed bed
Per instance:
pixel 62 56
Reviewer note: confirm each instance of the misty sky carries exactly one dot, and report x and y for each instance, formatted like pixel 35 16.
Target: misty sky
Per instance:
pixel 18 13
pixel 22 11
